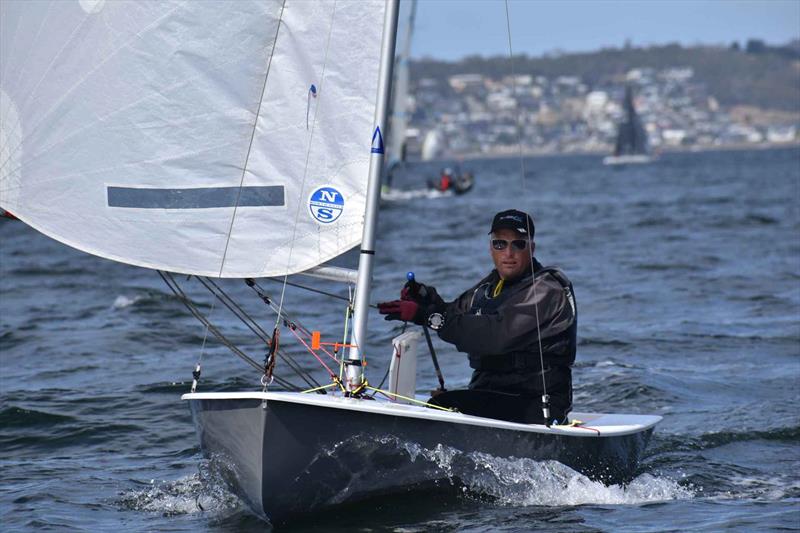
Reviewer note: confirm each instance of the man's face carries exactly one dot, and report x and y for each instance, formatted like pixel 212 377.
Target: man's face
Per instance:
pixel 510 261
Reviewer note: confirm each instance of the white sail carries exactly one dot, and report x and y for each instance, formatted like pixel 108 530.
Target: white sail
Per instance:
pixel 187 136
pixel 433 145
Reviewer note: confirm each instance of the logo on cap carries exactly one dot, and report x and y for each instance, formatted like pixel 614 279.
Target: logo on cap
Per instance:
pixel 513 219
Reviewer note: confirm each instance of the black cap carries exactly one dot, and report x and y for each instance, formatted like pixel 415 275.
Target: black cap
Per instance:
pixel 513 219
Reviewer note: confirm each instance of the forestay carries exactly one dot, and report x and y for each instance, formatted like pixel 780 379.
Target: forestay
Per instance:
pixel 217 138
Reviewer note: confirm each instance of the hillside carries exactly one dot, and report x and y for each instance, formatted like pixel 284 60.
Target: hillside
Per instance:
pixel 759 76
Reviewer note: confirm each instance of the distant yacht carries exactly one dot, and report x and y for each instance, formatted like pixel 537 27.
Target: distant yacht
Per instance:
pixel 631 146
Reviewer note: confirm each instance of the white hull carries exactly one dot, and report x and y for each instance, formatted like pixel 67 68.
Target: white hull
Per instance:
pixel 290 453
pixel 627 159
pixel 400 195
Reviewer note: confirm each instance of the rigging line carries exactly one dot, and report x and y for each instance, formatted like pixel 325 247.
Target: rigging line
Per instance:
pixel 253 325
pixel 175 287
pixel 525 196
pixel 294 324
pixel 320 96
pixel 312 289
pixel 389 366
pixel 330 372
pixel 229 302
pixel 393 397
pixel 240 313
pixel 303 374
pixel 282 314
pixel 205 334
pixel 252 138
pixel 347 315
pixel 172 284
pixel 203 345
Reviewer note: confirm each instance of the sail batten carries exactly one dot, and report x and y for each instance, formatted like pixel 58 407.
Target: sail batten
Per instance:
pixel 146 133
pixel 196 198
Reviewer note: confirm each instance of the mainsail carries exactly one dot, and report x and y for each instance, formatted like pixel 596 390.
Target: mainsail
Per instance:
pixel 222 138
pixel 399 119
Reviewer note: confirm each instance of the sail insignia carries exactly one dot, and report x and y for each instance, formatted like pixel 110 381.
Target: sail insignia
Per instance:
pixel 326 205
pixel 377 141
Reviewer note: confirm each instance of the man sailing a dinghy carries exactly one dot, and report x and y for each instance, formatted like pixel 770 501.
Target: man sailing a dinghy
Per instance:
pixel 518 326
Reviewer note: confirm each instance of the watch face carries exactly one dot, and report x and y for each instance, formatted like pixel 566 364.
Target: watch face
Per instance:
pixel 436 321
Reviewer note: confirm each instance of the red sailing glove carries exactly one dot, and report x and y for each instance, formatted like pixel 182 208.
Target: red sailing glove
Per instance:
pixel 405 310
pixel 424 295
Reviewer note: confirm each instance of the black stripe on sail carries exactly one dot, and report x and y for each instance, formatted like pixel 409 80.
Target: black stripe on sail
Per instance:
pixel 196 198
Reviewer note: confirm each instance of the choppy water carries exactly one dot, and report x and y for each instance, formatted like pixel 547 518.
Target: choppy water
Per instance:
pixel 687 274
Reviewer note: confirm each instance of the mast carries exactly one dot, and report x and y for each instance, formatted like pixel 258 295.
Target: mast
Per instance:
pixel 399 120
pixel 355 372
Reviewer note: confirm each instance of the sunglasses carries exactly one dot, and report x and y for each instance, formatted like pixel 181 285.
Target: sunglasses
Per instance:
pixel 516 244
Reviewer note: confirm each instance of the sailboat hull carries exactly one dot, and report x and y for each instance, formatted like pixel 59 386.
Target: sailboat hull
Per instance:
pixel 287 454
pixel 632 159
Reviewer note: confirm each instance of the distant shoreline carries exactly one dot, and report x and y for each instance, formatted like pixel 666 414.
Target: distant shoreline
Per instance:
pixel 603 153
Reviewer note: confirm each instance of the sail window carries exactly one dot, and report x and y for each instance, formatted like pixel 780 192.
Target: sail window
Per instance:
pixel 196 198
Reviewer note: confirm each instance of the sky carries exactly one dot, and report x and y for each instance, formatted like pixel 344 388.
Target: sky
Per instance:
pixel 452 29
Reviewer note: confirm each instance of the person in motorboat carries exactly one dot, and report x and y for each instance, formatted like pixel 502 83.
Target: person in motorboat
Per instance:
pixel 518 326
pixel 463 182
pixel 445 180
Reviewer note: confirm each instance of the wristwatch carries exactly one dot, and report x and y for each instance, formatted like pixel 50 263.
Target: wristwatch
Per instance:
pixel 435 321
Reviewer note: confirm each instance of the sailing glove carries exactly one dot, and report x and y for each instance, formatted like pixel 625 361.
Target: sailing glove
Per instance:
pixel 424 295
pixel 405 310
pixel 417 302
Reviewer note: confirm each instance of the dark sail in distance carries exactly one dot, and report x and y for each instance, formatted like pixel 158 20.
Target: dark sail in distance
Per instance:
pixel 631 138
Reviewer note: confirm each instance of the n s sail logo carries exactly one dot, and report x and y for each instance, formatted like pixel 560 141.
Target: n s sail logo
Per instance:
pixel 326 204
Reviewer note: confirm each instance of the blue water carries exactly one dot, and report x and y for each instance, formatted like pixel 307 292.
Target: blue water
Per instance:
pixel 687 273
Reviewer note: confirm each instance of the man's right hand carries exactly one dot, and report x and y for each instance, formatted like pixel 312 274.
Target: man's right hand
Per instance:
pixel 424 295
pixel 405 310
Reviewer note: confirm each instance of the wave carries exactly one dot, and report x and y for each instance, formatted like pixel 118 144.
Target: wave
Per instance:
pixel 29 430
pixel 620 390
pixel 735 336
pixel 524 482
pixel 121 302
pixel 60 269
pixel 664 267
pixel 61 372
pixel 152 301
pixel 174 388
pixel 517 482
pixel 594 341
pixel 10 339
pixel 204 492
pixel 715 439
pixel 655 222
pixel 763 488
pixel 17 417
